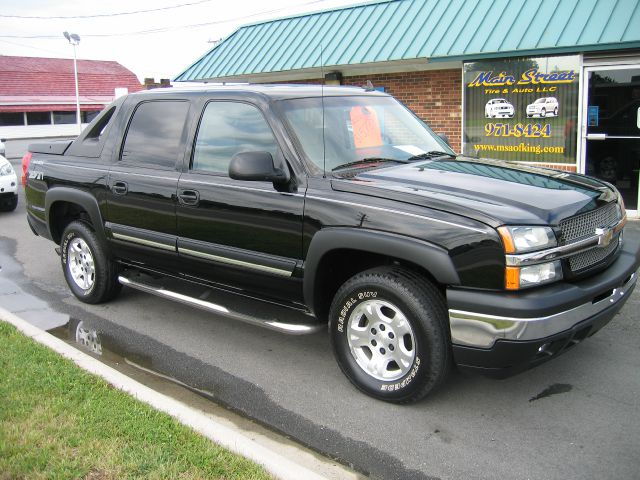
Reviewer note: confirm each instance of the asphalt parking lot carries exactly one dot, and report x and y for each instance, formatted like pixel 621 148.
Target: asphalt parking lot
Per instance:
pixel 575 417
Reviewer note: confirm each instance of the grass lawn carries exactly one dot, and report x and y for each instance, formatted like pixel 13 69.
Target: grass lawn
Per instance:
pixel 57 421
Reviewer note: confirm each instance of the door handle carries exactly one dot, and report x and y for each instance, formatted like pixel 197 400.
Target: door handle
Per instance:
pixel 120 188
pixel 596 136
pixel 189 197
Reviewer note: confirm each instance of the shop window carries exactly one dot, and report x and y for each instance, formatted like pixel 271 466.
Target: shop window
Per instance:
pixel 87 117
pixel 10 119
pixel 38 118
pixel 60 118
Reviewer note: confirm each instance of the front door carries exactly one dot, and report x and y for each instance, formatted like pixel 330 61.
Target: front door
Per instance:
pixel 238 234
pixel 611 119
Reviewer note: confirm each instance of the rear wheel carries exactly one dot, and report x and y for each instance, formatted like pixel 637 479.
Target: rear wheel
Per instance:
pixel 90 274
pixel 388 332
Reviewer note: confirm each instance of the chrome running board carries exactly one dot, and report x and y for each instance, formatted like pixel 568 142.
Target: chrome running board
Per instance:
pixel 270 316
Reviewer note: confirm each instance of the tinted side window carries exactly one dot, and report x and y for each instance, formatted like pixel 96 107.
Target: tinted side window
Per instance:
pixel 228 128
pixel 155 133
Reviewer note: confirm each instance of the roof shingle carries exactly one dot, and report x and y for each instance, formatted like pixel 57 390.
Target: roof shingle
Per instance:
pixel 42 77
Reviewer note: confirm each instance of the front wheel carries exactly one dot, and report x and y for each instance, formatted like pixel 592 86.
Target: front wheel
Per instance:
pixel 90 274
pixel 388 332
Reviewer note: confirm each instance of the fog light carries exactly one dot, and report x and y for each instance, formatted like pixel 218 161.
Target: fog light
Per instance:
pixel 544 349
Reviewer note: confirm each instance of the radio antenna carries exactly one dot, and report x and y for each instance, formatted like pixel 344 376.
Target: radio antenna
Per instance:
pixel 324 145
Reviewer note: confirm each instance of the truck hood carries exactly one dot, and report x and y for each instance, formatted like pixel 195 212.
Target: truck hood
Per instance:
pixel 493 192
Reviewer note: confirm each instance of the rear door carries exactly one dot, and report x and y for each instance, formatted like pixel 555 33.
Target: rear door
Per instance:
pixel 141 199
pixel 244 235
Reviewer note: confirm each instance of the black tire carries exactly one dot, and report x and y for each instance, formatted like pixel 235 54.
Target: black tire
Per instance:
pixel 543 113
pixel 555 112
pixel 9 205
pixel 398 294
pixel 90 274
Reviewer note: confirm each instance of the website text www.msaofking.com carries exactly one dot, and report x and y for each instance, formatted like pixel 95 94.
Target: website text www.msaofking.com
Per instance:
pixel 522 147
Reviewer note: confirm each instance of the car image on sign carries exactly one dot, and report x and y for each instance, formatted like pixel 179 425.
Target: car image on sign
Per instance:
pixel 543 107
pixel 499 107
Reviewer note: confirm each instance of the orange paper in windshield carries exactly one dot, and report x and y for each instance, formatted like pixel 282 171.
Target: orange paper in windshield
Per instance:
pixel 366 128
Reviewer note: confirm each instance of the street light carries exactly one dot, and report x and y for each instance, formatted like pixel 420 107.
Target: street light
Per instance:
pixel 74 39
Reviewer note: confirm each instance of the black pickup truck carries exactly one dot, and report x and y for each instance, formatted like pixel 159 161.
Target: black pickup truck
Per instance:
pixel 298 207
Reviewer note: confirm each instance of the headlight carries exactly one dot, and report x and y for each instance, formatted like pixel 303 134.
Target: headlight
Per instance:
pixel 6 170
pixel 622 211
pixel 532 275
pixel 523 239
pixel 526 239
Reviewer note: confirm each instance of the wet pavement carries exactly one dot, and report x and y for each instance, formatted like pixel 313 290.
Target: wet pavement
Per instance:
pixel 575 417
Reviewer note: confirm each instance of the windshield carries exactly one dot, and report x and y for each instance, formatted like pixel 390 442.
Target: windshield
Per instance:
pixel 540 100
pixel 358 128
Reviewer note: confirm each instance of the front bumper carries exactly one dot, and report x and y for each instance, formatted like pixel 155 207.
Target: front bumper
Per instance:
pixel 8 184
pixel 500 333
pixel 504 114
pixel 8 189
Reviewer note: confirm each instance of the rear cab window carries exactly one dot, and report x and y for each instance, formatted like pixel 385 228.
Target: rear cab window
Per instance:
pixel 156 135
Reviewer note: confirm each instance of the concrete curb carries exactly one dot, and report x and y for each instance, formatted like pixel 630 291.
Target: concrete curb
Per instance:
pixel 237 442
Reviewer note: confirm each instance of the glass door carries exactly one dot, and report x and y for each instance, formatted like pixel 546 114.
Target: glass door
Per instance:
pixel 611 119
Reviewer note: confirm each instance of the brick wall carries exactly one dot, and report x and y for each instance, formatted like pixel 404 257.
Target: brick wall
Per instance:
pixel 435 96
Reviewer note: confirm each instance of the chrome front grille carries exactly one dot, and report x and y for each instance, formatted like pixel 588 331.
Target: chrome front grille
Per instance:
pixel 583 226
pixel 592 256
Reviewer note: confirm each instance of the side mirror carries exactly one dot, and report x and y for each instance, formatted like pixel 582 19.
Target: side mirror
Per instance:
pixel 256 166
pixel 444 137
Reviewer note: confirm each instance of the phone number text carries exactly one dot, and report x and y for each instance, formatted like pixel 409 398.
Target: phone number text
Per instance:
pixel 528 130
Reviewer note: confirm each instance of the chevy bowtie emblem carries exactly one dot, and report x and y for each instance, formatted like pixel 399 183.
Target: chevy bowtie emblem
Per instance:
pixel 604 236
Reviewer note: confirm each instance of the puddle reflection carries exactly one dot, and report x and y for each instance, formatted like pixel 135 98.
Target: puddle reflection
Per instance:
pixel 85 337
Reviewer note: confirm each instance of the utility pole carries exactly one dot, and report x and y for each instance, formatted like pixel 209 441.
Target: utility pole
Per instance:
pixel 74 39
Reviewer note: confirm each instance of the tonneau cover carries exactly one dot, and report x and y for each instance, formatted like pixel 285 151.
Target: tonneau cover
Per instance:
pixel 54 148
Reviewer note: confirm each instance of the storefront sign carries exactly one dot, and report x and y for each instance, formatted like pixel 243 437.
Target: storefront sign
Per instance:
pixel 522 109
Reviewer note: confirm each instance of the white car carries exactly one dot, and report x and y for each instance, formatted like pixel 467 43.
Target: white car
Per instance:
pixel 543 107
pixel 8 186
pixel 498 107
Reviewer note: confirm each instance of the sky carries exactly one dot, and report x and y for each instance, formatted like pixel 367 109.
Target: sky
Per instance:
pixel 158 44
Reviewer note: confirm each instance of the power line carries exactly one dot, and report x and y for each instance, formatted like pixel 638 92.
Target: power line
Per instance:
pixel 102 15
pixel 168 29
pixel 30 46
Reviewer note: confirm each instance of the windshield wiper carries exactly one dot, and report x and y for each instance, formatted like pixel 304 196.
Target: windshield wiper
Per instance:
pixel 431 154
pixel 367 160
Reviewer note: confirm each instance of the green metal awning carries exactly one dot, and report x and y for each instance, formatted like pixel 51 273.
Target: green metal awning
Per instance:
pixel 425 30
